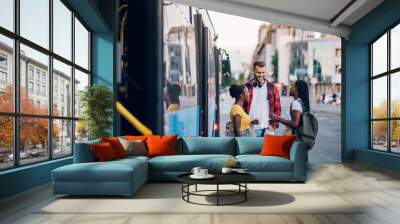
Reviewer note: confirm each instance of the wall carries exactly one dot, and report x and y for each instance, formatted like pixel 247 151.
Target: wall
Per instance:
pixel 142 86
pixel 103 53
pixel 102 59
pixel 100 17
pixel 24 178
pixel 355 136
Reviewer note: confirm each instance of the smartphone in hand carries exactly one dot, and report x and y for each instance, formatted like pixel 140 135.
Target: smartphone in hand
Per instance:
pixel 255 122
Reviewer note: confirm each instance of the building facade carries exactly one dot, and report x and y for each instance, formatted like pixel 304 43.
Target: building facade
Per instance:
pixel 291 54
pixel 34 90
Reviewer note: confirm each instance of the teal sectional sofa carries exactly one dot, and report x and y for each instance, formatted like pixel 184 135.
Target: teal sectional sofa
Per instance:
pixel 125 176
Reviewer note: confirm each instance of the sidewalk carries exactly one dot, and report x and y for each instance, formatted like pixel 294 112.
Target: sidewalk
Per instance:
pixel 328 143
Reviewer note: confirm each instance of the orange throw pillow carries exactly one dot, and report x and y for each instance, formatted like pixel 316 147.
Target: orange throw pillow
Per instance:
pixel 135 138
pixel 116 145
pixel 277 145
pixel 103 152
pixel 161 145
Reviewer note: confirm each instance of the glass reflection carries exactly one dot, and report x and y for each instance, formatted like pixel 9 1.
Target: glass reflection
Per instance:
pixel 395 136
pixel 62 29
pixel 81 45
pixel 81 82
pixel 211 85
pixel 6 142
pixel 180 78
pixel 62 138
pixel 379 135
pixel 34 144
pixel 62 89
pixel 7 14
pixel 34 76
pixel 395 95
pixel 34 21
pixel 395 47
pixel 379 56
pixel 6 74
pixel 379 98
pixel 81 131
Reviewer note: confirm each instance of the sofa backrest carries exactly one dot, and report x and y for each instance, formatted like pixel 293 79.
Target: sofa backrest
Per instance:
pixel 83 152
pixel 190 146
pixel 206 145
pixel 249 145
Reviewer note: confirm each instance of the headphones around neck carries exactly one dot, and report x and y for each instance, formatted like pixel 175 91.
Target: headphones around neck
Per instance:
pixel 258 84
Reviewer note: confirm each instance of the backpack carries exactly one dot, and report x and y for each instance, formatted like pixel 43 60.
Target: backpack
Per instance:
pixel 308 129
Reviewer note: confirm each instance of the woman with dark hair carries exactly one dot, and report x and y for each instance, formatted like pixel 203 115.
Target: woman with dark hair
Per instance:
pixel 240 119
pixel 300 104
pixel 173 93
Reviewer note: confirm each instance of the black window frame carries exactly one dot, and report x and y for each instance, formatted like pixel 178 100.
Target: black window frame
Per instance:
pixel 388 74
pixel 16 115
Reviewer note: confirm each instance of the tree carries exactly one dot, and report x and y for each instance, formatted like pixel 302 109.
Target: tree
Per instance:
pixel 81 129
pixel 395 123
pixel 97 102
pixel 33 131
pixel 227 81
pixel 379 129
pixel 6 132
pixel 6 122
pixel 242 79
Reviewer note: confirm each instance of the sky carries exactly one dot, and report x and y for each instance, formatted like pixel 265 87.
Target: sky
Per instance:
pixel 237 35
pixel 35 27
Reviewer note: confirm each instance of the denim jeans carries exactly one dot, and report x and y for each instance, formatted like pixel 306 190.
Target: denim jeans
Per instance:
pixel 259 132
pixel 245 133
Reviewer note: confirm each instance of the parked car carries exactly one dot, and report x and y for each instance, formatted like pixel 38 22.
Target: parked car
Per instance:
pixel 57 152
pixel 10 156
pixel 25 154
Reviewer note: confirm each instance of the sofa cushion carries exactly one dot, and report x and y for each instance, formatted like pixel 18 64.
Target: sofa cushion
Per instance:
pixel 112 171
pixel 257 163
pixel 136 147
pixel 185 163
pixel 116 145
pixel 161 145
pixel 103 152
pixel 206 145
pixel 83 152
pixel 135 138
pixel 277 145
pixel 249 145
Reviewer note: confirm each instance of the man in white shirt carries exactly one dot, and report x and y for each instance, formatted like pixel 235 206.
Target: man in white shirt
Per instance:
pixel 263 99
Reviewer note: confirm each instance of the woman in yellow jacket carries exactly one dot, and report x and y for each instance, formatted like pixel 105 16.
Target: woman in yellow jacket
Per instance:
pixel 240 119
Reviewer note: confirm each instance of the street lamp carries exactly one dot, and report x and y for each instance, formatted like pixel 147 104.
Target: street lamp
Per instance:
pixel 226 63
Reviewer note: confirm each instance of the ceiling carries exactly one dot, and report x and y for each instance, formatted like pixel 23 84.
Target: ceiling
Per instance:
pixel 326 16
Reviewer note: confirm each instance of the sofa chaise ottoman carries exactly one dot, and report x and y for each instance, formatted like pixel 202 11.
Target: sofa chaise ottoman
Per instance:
pixel 88 177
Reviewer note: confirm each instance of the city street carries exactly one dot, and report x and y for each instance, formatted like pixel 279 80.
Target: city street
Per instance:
pixel 327 147
pixel 328 144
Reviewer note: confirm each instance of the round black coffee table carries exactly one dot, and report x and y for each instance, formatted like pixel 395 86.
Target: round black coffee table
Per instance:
pixel 238 179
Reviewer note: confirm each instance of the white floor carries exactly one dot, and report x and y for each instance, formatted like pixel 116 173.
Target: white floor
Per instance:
pixel 378 190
